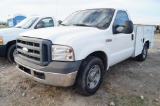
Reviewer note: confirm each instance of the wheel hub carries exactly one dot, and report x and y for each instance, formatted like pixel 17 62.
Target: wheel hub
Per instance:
pixel 93 77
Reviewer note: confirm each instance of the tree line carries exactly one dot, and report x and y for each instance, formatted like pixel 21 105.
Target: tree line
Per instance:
pixel 3 23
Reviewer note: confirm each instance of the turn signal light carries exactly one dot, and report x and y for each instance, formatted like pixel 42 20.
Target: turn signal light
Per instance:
pixel 1 41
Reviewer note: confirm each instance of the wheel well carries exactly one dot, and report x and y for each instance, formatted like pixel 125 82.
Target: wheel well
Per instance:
pixel 10 44
pixel 147 42
pixel 102 56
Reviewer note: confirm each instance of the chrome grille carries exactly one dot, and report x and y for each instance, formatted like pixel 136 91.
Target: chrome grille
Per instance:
pixel 35 50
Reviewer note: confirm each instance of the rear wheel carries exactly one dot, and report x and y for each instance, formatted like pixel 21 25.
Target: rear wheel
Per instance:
pixel 90 76
pixel 10 53
pixel 143 55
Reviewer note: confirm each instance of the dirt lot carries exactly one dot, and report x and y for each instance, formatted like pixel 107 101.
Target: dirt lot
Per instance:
pixel 129 83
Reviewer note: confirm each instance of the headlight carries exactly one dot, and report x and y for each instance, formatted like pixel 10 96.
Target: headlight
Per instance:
pixel 1 40
pixel 62 53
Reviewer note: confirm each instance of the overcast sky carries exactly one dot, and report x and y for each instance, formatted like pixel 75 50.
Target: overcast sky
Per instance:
pixel 141 11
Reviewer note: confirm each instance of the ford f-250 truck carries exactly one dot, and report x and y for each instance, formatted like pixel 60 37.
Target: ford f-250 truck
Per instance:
pixel 8 35
pixel 82 48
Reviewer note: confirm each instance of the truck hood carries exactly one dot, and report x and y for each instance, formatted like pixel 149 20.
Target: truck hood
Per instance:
pixel 10 34
pixel 62 34
pixel 5 31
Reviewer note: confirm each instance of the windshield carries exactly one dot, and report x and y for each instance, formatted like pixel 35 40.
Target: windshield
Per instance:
pixel 100 18
pixel 26 23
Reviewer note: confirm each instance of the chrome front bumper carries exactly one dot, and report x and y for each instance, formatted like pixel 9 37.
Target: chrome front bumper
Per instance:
pixel 49 78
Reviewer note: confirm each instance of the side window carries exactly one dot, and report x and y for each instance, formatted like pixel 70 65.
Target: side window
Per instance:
pixel 45 22
pixel 118 25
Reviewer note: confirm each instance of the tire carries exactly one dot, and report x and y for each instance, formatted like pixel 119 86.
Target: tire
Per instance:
pixel 10 53
pixel 143 55
pixel 89 76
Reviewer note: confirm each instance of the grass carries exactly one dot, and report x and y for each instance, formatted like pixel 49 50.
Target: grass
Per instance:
pixel 155 103
pixel 128 100
pixel 3 26
pixel 15 102
pixel 133 100
pixel 1 90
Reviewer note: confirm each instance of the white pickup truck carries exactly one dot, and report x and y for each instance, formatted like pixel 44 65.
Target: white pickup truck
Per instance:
pixel 8 35
pixel 82 48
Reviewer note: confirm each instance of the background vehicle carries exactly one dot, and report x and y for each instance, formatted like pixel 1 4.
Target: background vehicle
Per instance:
pixel 79 52
pixel 8 35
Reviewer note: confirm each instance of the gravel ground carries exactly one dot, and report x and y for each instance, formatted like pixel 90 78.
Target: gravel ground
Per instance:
pixel 129 83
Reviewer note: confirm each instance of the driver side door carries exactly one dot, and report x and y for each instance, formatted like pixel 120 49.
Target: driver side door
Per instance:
pixel 122 45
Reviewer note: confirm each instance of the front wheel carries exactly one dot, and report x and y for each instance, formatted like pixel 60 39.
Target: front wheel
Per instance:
pixel 10 53
pixel 143 55
pixel 90 76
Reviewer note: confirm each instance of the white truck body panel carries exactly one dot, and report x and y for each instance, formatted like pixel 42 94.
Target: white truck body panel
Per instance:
pixel 10 34
pixel 62 34
pixel 116 51
pixel 143 33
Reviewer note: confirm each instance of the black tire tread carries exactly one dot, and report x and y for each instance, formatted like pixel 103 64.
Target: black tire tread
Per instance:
pixel 140 57
pixel 79 82
pixel 10 53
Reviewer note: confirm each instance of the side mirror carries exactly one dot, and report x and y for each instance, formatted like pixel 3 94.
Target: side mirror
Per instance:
pixel 59 22
pixel 128 27
pixel 117 29
pixel 39 26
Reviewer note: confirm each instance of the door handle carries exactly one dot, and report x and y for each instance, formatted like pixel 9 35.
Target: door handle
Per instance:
pixel 132 37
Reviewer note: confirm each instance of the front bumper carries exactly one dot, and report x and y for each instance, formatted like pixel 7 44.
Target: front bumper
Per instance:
pixel 3 50
pixel 56 73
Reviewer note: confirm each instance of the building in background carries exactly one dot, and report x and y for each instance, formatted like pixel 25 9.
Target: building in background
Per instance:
pixel 15 19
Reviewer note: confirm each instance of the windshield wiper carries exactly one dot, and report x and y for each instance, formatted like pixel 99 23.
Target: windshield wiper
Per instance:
pixel 86 25
pixel 25 28
pixel 18 27
pixel 82 25
pixel 63 24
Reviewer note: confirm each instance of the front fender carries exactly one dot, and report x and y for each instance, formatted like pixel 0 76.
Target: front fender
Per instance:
pixel 90 48
pixel 10 35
